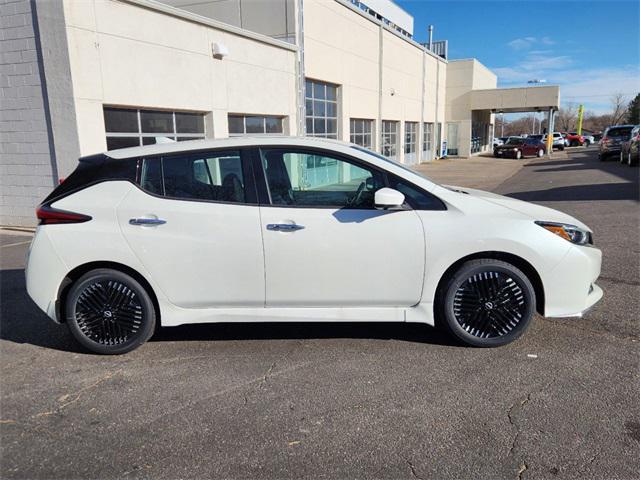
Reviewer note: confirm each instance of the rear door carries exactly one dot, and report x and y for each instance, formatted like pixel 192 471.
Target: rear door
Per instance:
pixel 194 223
pixel 325 243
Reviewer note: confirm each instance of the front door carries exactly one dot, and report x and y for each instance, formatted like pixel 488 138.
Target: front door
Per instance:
pixel 195 226
pixel 326 245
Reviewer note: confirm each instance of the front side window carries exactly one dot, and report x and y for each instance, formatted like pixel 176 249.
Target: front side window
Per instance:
pixel 254 125
pixel 299 178
pixel 208 176
pixel 361 132
pixel 390 139
pixel 417 198
pixel 127 127
pixel 410 140
pixel 321 109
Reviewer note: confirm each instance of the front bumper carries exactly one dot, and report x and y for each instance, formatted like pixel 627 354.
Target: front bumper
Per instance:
pixel 570 288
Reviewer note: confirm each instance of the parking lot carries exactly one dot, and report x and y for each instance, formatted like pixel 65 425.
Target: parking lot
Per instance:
pixel 345 400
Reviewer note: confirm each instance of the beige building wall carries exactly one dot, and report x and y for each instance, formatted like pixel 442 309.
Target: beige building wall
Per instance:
pixel 464 76
pixel 169 64
pixel 345 47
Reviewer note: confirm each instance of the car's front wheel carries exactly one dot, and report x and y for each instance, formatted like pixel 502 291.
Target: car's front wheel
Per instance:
pixel 540 153
pixel 487 303
pixel 518 155
pixel 109 312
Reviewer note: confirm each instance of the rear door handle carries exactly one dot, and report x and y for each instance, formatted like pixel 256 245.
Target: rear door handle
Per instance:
pixel 146 221
pixel 284 227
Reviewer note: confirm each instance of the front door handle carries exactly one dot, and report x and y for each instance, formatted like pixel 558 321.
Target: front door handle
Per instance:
pixel 284 227
pixel 146 221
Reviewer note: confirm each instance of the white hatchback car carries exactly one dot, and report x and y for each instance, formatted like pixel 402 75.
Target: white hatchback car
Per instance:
pixel 295 229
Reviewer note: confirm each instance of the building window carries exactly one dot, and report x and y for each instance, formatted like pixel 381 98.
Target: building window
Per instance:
pixel 427 141
pixel 410 141
pixel 361 132
pixel 128 127
pixel 321 109
pixel 254 125
pixel 389 139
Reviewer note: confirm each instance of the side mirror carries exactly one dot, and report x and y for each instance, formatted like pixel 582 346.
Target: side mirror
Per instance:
pixel 388 199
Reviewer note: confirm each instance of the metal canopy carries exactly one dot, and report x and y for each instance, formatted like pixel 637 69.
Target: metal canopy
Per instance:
pixel 517 100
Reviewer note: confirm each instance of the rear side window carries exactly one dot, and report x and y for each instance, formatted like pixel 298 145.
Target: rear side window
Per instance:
pixel 211 176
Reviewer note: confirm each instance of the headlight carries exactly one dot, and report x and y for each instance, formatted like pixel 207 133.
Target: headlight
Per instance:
pixel 571 233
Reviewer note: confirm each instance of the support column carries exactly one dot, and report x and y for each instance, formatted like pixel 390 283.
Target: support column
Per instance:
pixel 550 128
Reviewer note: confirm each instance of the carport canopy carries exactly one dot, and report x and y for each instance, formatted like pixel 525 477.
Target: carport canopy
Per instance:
pixel 517 100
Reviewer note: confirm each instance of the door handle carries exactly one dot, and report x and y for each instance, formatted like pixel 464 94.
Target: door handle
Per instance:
pixel 284 227
pixel 146 221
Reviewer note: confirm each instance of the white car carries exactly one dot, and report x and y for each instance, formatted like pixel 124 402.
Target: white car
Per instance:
pixel 295 229
pixel 559 141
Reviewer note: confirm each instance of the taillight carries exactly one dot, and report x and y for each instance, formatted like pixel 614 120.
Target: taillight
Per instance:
pixel 49 216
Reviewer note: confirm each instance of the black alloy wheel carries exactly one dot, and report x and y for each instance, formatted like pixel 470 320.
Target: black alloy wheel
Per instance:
pixel 109 312
pixel 488 303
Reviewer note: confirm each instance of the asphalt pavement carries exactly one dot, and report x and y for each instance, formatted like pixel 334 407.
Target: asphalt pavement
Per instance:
pixel 343 400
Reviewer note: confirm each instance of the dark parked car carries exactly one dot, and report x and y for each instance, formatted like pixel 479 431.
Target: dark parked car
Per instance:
pixel 612 139
pixel 631 147
pixel 517 147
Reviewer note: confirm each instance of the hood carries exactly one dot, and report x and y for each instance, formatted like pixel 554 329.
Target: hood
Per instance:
pixel 535 211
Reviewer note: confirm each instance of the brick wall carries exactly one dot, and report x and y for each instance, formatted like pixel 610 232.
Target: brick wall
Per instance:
pixel 26 173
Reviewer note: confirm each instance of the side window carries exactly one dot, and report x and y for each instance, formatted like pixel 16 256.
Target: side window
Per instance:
pixel 208 176
pixel 317 179
pixel 415 196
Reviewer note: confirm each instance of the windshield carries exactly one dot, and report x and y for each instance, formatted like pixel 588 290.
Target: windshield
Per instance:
pixel 388 160
pixel 515 141
pixel 619 132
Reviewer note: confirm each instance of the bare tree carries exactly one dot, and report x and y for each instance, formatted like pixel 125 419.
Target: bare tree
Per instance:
pixel 618 108
pixel 566 118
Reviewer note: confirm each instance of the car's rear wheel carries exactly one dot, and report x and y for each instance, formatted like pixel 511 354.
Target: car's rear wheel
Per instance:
pixel 518 155
pixel 487 303
pixel 109 312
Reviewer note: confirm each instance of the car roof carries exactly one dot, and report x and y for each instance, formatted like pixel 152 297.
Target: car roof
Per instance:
pixel 232 142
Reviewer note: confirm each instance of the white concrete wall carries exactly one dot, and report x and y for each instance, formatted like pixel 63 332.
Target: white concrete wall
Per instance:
pixel 342 46
pixel 122 54
pixel 464 76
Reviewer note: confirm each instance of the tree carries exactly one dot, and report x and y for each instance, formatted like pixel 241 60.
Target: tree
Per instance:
pixel 618 110
pixel 566 118
pixel 633 110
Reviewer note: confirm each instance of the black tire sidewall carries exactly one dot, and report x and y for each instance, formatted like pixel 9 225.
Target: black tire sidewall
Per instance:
pixel 149 317
pixel 477 266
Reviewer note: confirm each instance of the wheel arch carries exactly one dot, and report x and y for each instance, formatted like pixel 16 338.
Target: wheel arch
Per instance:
pixel 80 270
pixel 515 260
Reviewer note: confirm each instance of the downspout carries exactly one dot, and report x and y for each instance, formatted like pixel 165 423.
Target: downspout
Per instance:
pixel 420 140
pixel 437 128
pixel 379 129
pixel 300 76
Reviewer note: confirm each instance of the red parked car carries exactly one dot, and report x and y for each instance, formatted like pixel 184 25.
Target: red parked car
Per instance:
pixel 574 139
pixel 517 147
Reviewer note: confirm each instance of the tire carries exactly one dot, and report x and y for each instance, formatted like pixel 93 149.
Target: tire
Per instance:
pixel 601 157
pixel 109 312
pixel 562 148
pixel 540 153
pixel 469 304
pixel 518 155
pixel 622 159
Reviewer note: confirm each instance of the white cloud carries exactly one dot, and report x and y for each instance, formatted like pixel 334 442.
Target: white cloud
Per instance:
pixel 526 43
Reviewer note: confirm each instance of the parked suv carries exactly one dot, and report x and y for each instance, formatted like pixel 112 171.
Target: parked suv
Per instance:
pixel 611 143
pixel 630 147
pixel 558 140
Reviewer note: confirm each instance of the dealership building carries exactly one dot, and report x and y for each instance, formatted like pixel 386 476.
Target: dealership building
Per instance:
pixel 81 77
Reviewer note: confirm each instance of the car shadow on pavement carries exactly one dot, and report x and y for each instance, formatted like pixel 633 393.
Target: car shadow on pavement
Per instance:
pixel 21 321
pixel 602 191
pixel 407 332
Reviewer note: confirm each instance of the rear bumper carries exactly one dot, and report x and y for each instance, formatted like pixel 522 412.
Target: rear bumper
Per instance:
pixel 44 273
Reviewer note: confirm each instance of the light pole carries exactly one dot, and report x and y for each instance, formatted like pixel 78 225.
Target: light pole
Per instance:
pixel 536 81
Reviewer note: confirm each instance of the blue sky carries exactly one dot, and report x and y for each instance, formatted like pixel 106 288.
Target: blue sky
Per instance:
pixel 590 48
